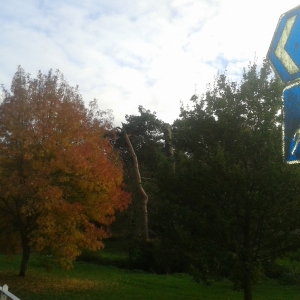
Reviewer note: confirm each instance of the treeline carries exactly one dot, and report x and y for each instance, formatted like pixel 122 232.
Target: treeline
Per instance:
pixel 222 203
pixel 209 194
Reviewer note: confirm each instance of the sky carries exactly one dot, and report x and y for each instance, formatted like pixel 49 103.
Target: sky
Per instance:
pixel 126 53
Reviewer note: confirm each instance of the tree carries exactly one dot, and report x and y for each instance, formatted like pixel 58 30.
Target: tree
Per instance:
pixel 141 144
pixel 238 202
pixel 143 195
pixel 61 180
pixel 146 134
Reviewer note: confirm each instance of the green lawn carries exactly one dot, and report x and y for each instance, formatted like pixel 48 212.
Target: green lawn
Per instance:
pixel 89 281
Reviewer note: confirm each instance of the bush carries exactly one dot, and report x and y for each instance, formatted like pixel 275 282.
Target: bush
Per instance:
pixel 104 258
pixel 285 275
pixel 290 278
pixel 157 257
pixel 273 270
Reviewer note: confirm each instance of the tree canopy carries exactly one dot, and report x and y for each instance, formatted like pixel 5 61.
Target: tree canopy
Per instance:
pixel 140 144
pixel 61 181
pixel 222 202
pixel 237 203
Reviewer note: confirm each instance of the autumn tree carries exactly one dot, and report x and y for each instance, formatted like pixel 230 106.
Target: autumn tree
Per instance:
pixel 61 179
pixel 236 203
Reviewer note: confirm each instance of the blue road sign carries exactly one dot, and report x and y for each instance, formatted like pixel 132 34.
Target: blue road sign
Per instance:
pixel 291 128
pixel 284 51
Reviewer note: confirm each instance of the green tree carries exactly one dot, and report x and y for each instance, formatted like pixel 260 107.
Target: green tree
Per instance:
pixel 145 132
pixel 61 180
pixel 237 201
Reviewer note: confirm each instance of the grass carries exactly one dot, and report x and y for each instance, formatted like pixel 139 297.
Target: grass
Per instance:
pixel 90 281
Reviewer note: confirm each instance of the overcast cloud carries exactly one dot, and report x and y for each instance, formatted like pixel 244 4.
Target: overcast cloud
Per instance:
pixel 127 53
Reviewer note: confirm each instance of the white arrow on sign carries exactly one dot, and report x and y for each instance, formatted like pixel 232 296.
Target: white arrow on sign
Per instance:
pixel 280 52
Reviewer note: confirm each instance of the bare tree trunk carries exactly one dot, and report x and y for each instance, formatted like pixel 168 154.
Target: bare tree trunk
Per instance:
pixel 140 187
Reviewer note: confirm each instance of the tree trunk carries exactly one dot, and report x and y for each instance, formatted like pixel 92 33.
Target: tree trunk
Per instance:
pixel 140 187
pixel 25 257
pixel 247 286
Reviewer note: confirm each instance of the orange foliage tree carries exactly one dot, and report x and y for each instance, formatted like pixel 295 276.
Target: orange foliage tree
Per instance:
pixel 60 178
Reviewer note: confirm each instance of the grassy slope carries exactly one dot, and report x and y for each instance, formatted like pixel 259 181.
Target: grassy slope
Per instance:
pixel 88 281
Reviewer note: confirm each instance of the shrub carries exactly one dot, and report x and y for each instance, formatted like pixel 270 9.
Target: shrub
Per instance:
pixel 158 257
pixel 290 278
pixel 273 270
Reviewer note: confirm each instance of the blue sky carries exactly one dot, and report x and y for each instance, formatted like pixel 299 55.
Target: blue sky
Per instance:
pixel 127 53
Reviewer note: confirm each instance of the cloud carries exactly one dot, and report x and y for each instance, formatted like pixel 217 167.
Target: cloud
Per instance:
pixel 130 53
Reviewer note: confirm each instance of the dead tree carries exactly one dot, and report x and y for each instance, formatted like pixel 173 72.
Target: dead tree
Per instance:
pixel 140 187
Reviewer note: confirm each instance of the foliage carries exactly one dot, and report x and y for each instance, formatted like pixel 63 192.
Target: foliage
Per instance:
pixel 237 201
pixel 145 131
pixel 61 180
pixel 291 277
pixel 274 270
pixel 113 254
